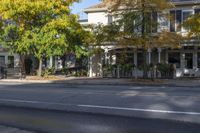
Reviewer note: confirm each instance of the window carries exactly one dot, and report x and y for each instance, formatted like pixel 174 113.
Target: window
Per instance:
pixel 140 59
pixel 152 24
pixel 2 60
pixel 186 15
pixel 10 61
pixel 174 58
pixel 188 60
pixel 175 20
pixel 163 22
pixel 177 17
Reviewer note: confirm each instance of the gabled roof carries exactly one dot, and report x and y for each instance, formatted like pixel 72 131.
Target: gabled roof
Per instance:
pixel 95 8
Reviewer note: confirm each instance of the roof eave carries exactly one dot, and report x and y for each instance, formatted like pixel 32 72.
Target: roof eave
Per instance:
pixel 95 10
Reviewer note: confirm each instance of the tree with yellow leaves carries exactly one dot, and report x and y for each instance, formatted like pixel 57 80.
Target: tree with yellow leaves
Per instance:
pixel 193 26
pixel 137 25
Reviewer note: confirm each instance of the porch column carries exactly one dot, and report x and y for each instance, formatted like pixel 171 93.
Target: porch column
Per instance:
pixel 109 58
pixel 6 60
pixel 114 58
pixel 16 60
pixel 90 66
pixel 106 56
pixel 159 55
pixel 195 58
pixel 56 62
pixel 135 57
pixel 51 62
pixel 135 73
pixel 149 56
pixel 182 59
pixel 101 66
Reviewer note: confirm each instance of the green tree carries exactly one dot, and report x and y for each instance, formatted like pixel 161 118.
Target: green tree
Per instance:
pixel 44 27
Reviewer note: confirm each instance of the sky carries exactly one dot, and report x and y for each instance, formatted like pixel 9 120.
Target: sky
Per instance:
pixel 77 8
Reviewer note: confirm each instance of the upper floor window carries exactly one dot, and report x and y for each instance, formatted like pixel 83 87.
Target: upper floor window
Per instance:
pixel 154 24
pixel 175 20
pixel 163 22
pixel 177 17
pixel 186 15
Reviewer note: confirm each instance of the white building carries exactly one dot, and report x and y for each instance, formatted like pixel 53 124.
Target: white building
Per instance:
pixel 186 59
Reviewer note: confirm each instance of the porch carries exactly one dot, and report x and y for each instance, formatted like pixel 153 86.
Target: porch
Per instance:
pixel 130 62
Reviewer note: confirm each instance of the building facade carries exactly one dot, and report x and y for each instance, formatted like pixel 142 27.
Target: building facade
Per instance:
pixel 185 59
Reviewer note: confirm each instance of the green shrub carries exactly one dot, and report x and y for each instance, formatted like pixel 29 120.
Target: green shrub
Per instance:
pixel 48 71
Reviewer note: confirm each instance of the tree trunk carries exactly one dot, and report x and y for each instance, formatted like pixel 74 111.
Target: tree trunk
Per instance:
pixel 22 66
pixel 145 72
pixel 40 68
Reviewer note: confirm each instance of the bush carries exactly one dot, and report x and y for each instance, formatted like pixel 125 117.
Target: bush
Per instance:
pixel 80 73
pixel 166 70
pixel 48 71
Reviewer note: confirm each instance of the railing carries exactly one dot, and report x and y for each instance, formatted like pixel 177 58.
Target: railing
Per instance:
pixel 133 72
pixel 11 72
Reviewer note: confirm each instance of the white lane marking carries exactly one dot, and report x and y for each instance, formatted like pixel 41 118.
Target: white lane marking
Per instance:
pixel 103 107
pixel 34 102
pixel 141 110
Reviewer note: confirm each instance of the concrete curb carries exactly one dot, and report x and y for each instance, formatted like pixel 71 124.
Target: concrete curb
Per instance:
pixel 90 82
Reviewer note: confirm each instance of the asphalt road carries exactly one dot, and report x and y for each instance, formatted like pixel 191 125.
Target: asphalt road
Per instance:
pixel 71 122
pixel 165 103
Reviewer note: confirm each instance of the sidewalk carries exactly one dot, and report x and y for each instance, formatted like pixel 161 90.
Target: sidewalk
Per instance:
pixel 6 129
pixel 111 81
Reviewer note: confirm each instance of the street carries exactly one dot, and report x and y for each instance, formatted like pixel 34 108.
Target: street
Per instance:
pixel 73 122
pixel 100 108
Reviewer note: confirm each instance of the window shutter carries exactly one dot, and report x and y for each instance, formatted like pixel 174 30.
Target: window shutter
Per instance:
pixel 172 20
pixel 155 22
